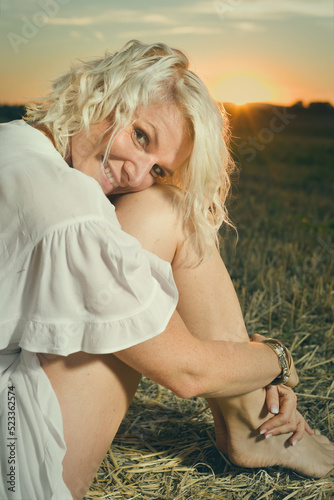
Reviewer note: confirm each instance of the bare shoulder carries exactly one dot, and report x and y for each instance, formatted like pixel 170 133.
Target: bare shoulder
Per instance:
pixel 151 217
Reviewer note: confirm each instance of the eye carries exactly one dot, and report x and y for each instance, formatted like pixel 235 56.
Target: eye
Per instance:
pixel 158 171
pixel 141 138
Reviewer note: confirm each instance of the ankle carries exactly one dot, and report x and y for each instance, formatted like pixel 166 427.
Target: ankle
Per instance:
pixel 249 409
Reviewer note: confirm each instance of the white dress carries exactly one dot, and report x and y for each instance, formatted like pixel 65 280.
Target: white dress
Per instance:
pixel 70 280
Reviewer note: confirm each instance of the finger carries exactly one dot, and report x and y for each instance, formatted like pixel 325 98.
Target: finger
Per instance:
pixel 299 432
pixel 287 416
pixel 308 429
pixel 257 338
pixel 297 426
pixel 272 399
pixel 278 425
pixel 293 379
pixel 284 429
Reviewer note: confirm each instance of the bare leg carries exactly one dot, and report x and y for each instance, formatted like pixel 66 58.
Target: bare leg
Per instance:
pixel 209 307
pixel 94 392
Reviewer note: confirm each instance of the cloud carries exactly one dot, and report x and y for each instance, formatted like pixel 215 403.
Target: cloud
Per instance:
pixel 156 19
pixel 245 12
pixel 112 15
pixel 259 9
pixel 196 30
pixel 213 10
pixel 86 36
pixel 71 21
pixel 249 27
pixel 75 34
pixel 99 35
pixel 319 9
pixel 178 30
pixel 199 7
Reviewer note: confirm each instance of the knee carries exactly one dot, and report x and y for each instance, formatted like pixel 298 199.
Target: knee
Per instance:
pixel 158 199
pixel 152 216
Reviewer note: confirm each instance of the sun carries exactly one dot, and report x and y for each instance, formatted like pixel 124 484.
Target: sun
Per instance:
pixel 242 88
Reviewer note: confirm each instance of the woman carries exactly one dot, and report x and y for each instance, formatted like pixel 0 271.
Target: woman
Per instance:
pixel 92 310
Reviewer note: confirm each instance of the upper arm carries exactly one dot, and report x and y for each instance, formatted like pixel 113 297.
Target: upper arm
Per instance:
pixel 152 218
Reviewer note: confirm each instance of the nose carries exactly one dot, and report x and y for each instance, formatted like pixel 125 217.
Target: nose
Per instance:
pixel 136 172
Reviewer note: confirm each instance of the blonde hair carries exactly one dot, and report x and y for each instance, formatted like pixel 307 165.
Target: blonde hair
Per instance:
pixel 114 87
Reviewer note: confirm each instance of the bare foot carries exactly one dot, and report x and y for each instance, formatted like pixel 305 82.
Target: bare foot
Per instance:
pixel 313 456
pixel 310 457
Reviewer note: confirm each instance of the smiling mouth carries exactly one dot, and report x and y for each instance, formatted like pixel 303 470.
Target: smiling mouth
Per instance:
pixel 110 176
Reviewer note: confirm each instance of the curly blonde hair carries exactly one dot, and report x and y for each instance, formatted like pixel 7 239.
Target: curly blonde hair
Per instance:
pixel 114 87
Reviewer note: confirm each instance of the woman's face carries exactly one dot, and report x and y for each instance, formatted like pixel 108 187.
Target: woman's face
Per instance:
pixel 153 146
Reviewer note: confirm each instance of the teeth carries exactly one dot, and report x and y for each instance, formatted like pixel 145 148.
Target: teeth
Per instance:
pixel 110 176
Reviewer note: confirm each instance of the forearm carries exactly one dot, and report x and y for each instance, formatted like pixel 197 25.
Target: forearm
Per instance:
pixel 237 368
pixel 193 367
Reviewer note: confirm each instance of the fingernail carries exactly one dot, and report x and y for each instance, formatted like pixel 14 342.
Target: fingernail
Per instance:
pixel 268 436
pixel 264 431
pixel 294 442
pixel 274 409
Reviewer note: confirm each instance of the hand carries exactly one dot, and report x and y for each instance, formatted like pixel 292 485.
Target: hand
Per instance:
pixel 293 379
pixel 282 401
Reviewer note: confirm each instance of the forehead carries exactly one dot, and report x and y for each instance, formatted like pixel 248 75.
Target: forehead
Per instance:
pixel 163 113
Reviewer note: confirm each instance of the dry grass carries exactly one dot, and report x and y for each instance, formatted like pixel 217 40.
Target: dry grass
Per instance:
pixel 282 269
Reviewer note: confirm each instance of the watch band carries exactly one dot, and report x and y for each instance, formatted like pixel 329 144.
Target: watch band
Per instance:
pixel 284 358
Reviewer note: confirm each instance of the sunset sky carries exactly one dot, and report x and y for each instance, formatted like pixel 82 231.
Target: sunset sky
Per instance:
pixel 244 50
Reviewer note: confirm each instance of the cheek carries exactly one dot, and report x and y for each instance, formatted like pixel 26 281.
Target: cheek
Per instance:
pixel 90 166
pixel 149 181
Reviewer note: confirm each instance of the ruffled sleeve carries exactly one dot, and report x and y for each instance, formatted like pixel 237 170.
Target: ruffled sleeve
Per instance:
pixel 90 287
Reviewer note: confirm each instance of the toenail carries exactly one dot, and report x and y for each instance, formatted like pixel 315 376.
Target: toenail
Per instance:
pixel 294 442
pixel 264 431
pixel 268 436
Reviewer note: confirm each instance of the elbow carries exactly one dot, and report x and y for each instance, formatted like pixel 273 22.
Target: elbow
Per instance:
pixel 186 387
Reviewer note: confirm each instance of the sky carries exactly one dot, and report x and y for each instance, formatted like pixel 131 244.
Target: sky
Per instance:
pixel 244 50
